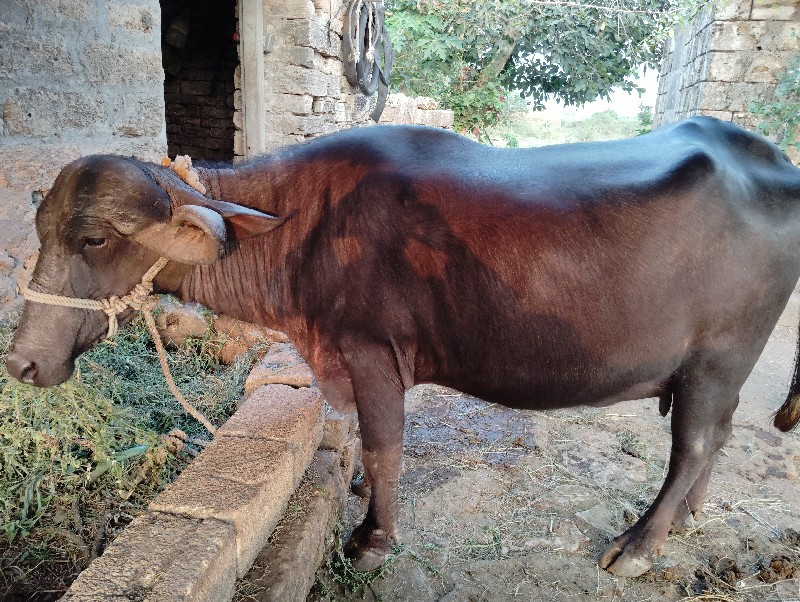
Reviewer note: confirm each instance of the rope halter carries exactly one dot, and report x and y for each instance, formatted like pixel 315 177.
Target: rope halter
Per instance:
pixel 112 306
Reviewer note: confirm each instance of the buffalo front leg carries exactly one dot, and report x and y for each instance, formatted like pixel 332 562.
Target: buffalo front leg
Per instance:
pixel 379 397
pixel 701 423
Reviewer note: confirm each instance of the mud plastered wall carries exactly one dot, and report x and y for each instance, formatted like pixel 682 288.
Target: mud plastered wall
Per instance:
pixel 76 77
pixel 727 57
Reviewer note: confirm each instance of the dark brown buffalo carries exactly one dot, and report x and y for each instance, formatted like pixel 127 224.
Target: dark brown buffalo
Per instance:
pixel 537 278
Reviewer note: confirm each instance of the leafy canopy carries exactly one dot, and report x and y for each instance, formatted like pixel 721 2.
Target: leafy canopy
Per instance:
pixel 469 54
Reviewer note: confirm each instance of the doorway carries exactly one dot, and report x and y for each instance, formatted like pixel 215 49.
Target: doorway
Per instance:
pixel 200 56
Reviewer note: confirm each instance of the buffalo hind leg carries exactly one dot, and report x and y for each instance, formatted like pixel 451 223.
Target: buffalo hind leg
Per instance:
pixel 701 423
pixel 379 397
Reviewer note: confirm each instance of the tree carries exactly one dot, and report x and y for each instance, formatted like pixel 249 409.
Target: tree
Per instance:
pixel 470 54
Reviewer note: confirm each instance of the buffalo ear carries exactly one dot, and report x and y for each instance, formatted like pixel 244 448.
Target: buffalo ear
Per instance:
pixel 244 221
pixel 194 235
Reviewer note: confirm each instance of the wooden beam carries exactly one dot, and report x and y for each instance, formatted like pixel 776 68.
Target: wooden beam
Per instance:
pixel 251 30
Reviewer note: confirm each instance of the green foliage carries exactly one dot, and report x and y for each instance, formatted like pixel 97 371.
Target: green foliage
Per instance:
pixel 645 118
pixel 534 129
pixel 468 55
pixel 781 117
pixel 606 125
pixel 98 433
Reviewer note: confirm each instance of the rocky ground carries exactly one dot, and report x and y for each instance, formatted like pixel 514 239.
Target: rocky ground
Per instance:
pixel 498 504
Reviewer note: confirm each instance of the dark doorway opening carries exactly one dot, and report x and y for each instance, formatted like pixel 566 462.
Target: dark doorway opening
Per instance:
pixel 200 56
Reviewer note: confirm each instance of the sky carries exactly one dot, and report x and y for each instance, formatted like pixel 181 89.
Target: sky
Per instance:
pixel 624 103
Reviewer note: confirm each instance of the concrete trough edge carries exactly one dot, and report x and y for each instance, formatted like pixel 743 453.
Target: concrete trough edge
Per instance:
pixel 149 559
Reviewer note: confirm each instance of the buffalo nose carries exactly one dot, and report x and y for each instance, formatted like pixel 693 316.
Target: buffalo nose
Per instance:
pixel 22 369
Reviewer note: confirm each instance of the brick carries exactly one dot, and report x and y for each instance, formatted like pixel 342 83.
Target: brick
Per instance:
pixel 159 557
pixel 137 115
pixel 338 430
pixel 196 88
pixel 293 9
pixel 727 10
pixel 110 64
pixel 281 414
pixel 293 80
pixel 439 118
pixel 242 336
pixel 749 35
pixel 775 10
pixel 41 111
pixel 725 66
pixel 736 96
pixel 767 67
pixel 22 54
pixel 240 481
pixel 282 364
pixel 302 56
pixel 296 104
pixel 723 115
pixel 313 33
pixel 135 19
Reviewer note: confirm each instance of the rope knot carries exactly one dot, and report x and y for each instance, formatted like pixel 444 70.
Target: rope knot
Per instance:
pixel 139 295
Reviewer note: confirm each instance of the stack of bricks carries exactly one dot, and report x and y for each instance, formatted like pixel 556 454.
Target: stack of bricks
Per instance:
pixel 306 92
pixel 78 78
pixel 726 58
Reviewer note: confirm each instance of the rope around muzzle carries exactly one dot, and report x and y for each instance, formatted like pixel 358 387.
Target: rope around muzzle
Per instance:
pixel 138 300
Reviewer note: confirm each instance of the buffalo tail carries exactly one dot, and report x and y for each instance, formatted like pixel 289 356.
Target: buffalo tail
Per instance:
pixel 789 413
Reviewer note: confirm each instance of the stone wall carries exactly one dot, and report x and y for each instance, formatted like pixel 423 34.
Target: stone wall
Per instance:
pixel 76 77
pixel 725 58
pixel 198 89
pixel 306 92
pixel 417 111
pixel 79 77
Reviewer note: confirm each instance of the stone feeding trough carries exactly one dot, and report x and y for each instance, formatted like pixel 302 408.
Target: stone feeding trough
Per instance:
pixel 207 528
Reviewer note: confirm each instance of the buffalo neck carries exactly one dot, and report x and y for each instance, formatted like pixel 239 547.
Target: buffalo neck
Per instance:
pixel 255 279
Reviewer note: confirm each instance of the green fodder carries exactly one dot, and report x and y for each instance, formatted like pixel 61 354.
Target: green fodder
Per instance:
pixel 77 461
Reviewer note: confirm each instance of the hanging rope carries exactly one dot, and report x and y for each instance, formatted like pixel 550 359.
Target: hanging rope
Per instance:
pixel 368 52
pixel 137 300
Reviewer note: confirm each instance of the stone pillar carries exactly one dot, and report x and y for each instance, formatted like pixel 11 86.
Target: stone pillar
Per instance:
pixel 731 54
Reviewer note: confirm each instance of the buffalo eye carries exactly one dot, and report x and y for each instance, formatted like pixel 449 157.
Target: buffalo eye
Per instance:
pixel 94 242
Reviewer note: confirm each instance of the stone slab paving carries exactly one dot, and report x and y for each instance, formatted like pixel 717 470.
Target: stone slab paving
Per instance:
pixel 209 525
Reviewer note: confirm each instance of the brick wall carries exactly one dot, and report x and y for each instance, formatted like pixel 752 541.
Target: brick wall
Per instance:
pixel 198 90
pixel 76 77
pixel 726 58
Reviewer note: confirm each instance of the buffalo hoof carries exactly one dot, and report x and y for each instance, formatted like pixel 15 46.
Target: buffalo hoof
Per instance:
pixel 368 560
pixel 368 549
pixel 621 562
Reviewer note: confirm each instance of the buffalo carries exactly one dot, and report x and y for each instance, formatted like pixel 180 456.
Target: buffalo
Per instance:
pixel 542 278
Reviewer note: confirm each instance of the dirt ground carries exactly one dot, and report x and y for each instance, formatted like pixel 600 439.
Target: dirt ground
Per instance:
pixel 498 504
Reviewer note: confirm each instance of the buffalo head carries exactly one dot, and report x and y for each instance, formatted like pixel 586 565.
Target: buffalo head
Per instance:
pixel 104 223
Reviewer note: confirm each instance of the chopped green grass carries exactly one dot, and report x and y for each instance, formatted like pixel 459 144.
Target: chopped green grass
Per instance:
pixel 77 461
